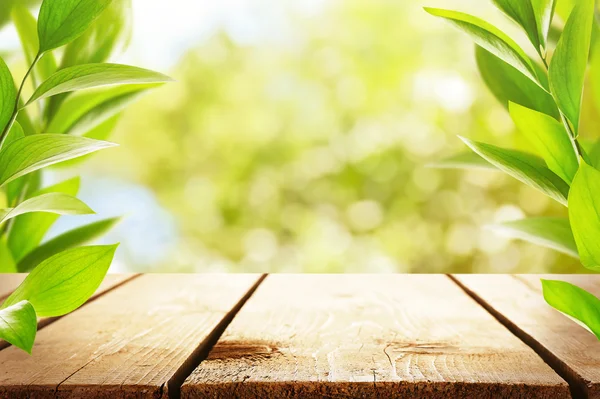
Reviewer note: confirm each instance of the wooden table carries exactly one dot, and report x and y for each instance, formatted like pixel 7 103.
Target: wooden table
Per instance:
pixel 308 336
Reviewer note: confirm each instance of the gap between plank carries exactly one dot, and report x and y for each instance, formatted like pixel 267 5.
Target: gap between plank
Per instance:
pixel 577 386
pixel 203 349
pixel 49 320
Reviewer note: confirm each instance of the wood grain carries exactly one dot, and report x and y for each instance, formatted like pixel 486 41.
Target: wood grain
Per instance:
pixel 339 336
pixel 128 343
pixel 573 350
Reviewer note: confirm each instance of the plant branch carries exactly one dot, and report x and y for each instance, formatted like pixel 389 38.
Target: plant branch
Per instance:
pixel 16 109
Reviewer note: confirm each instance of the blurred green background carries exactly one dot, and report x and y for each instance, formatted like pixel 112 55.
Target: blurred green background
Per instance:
pixel 297 137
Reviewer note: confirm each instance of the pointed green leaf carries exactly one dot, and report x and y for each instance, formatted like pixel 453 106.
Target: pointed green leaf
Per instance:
pixel 57 203
pixel 549 138
pixel 38 151
pixel 526 168
pixel 27 29
pixel 543 11
pixel 509 85
pixel 18 325
pixel 569 62
pixel 490 38
pixel 61 21
pixel 8 95
pixel 89 76
pixel 466 160
pixel 549 232
pixel 522 13
pixel 64 282
pixel 79 236
pixel 575 302
pixel 584 214
pixel 28 230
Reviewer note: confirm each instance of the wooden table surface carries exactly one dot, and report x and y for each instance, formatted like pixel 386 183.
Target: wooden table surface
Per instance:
pixel 308 336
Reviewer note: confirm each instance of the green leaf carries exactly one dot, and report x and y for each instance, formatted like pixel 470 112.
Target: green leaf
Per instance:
pixel 79 236
pixel 18 325
pixel 76 106
pixel 543 11
pixel 466 160
pixel 15 133
pixel 27 29
pixel 89 76
pixel 101 113
pixel 38 151
pixel 97 43
pixel 575 302
pixel 569 62
pixel 526 168
pixel 521 11
pixel 64 282
pixel 28 230
pixel 549 232
pixel 492 39
pixel 8 95
pixel 7 262
pixel 58 203
pixel 509 85
pixel 61 21
pixel 584 214
pixel 550 139
pixel 7 5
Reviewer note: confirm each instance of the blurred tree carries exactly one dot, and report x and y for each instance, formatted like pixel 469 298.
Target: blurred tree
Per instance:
pixel 307 151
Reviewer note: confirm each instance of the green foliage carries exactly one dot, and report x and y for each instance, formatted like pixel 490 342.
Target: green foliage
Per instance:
pixel 492 39
pixel 90 76
pixel 32 153
pixel 548 137
pixel 61 21
pixel 28 230
pixel 60 204
pixel 73 238
pixel 509 85
pixel 18 325
pixel 64 274
pixel 575 302
pixel 8 95
pixel 584 213
pixel 62 283
pixel 569 62
pixel 567 170
pixel 549 232
pixel 524 167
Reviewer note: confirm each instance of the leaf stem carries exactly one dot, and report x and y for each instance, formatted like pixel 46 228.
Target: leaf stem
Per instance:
pixel 15 113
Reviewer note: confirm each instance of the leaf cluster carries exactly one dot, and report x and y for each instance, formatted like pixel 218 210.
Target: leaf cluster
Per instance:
pixel 544 99
pixel 66 48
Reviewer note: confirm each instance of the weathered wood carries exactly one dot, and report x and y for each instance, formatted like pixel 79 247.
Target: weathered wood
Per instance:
pixel 409 336
pixel 518 302
pixel 128 343
pixel 13 280
pixel 8 283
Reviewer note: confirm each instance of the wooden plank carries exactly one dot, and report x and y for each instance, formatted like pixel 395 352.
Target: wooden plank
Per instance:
pixel 8 283
pixel 13 280
pixel 127 343
pixel 518 301
pixel 409 336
